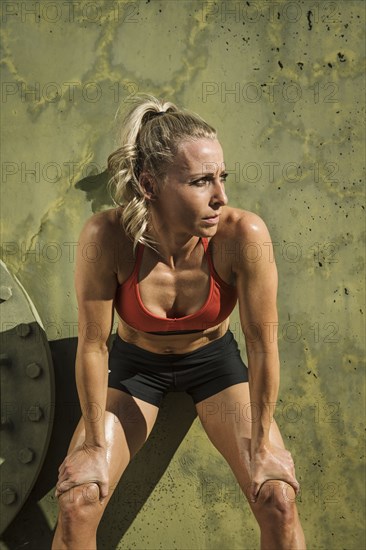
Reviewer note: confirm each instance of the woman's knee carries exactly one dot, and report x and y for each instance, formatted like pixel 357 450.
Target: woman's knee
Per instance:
pixel 80 504
pixel 276 503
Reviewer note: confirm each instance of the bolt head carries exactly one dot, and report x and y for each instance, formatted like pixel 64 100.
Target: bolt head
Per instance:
pixel 33 370
pixel 8 496
pixel 26 455
pixel 35 413
pixel 5 293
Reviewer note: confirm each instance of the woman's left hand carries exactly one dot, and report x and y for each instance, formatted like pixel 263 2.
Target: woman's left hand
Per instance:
pixel 271 462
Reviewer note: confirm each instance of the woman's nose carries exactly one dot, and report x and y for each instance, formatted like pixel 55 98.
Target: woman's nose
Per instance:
pixel 219 195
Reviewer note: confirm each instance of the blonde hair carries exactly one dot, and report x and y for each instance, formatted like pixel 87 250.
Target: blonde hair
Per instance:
pixel 149 138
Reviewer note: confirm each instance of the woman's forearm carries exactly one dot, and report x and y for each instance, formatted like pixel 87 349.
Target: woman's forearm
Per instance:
pixel 91 381
pixel 264 376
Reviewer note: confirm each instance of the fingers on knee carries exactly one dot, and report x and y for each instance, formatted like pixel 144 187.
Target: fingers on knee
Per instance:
pixel 80 502
pixel 277 498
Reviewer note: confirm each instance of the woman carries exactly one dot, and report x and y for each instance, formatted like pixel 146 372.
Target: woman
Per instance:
pixel 174 259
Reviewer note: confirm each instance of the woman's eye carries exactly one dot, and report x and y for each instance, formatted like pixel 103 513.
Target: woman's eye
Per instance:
pixel 204 181
pixel 200 183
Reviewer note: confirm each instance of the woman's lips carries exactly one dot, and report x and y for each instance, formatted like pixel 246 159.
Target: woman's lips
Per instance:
pixel 212 220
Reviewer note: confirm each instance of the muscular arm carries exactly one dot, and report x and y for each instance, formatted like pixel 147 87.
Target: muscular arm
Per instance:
pixel 257 283
pixel 95 285
pixel 257 291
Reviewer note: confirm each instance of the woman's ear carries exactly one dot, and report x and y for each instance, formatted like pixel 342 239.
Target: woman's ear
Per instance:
pixel 149 186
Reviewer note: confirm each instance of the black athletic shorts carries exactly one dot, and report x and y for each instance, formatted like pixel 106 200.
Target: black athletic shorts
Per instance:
pixel 201 373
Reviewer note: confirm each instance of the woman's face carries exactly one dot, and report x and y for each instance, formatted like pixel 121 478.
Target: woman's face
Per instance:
pixel 190 200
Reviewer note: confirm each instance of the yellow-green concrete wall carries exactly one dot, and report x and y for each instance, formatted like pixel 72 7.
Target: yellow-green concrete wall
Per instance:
pixel 283 83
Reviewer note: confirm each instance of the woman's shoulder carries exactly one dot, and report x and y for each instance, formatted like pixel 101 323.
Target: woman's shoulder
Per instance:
pixel 245 238
pixel 104 231
pixel 242 225
pixel 106 223
pixel 104 228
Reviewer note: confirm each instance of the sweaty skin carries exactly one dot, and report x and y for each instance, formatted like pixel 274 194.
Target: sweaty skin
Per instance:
pixel 191 203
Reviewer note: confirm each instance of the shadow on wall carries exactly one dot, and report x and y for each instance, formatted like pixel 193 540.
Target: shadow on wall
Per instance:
pixel 95 188
pixel 30 528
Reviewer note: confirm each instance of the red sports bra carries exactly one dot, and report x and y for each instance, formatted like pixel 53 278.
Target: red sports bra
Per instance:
pixel 219 304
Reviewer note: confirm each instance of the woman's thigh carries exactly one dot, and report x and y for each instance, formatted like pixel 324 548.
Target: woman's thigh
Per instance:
pixel 227 420
pixel 128 423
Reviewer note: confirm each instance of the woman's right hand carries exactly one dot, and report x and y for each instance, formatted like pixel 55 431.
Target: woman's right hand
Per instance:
pixel 85 464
